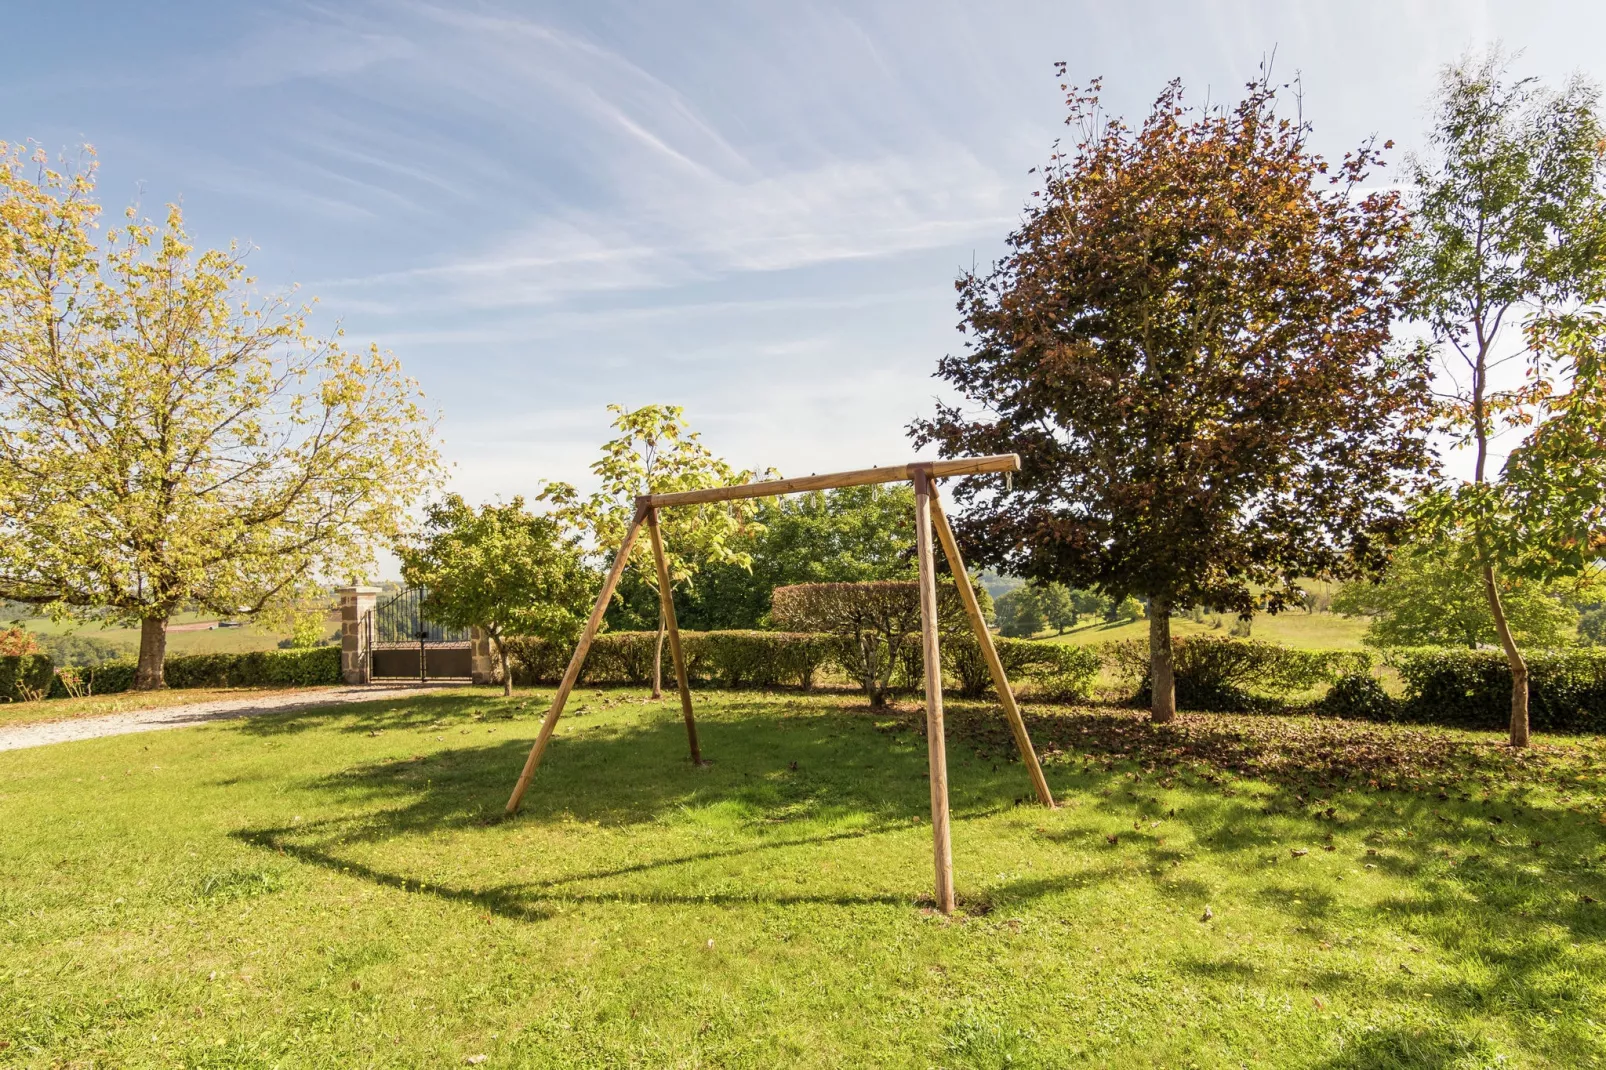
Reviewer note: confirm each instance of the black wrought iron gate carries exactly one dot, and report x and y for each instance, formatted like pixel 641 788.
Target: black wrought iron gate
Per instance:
pixel 403 643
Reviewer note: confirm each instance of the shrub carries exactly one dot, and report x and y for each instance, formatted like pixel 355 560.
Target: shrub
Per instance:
pixel 762 659
pixel 25 677
pixel 1216 673
pixel 873 623
pixel 107 678
pixel 257 668
pixel 1359 697
pixel 1057 672
pixel 1472 688
pixel 83 650
pixel 17 641
pixel 727 658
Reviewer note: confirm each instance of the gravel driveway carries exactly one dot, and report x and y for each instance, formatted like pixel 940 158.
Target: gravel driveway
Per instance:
pixel 117 724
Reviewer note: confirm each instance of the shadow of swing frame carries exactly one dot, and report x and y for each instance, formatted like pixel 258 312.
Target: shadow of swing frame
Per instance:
pixel 928 516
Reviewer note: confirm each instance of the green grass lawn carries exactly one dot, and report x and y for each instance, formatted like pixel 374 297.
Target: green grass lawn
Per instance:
pixel 1311 631
pixel 336 889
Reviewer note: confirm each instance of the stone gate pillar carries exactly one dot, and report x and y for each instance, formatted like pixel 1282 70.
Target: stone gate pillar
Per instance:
pixel 482 666
pixel 356 604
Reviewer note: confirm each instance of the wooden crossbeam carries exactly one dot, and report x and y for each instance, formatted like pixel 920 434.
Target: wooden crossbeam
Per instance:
pixel 897 473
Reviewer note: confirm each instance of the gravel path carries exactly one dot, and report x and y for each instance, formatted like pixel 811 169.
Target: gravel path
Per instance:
pixel 117 724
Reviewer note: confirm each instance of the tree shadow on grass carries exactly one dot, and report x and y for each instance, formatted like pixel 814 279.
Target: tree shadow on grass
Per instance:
pixel 779 781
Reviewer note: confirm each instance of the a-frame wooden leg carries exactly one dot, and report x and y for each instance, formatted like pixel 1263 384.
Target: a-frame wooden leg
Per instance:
pixel 576 662
pixel 989 652
pixel 936 744
pixel 666 603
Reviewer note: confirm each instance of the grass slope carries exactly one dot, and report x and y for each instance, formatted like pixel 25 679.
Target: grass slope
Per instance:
pixel 334 889
pixel 1311 631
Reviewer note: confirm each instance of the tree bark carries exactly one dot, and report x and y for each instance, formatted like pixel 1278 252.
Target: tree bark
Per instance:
pixel 1519 667
pixel 1162 675
pixel 507 677
pixel 658 660
pixel 152 654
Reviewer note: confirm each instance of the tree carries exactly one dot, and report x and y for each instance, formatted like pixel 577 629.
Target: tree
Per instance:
pixel 1020 613
pixel 656 452
pixel 170 439
pixel 502 570
pixel 1510 215
pixel 1430 597
pixel 846 535
pixel 1189 347
pixel 1059 608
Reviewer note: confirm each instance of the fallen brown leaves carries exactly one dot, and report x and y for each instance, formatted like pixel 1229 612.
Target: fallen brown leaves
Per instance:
pixel 1308 754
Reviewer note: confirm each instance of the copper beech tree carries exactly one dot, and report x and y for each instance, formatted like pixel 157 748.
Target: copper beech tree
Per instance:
pixel 1188 344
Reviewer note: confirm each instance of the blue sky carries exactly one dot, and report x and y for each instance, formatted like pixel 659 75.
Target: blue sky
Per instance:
pixel 753 210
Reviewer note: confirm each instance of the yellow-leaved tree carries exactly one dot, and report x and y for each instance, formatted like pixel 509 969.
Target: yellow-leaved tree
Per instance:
pixel 170 439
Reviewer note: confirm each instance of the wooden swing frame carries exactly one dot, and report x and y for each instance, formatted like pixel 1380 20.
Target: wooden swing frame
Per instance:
pixel 928 514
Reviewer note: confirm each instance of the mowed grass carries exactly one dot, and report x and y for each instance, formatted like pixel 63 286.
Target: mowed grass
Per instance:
pixel 336 889
pixel 1310 631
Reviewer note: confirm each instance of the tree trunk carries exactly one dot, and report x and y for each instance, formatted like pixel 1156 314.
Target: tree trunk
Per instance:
pixel 1162 677
pixel 152 654
pixel 868 647
pixel 1519 667
pixel 507 677
pixel 658 659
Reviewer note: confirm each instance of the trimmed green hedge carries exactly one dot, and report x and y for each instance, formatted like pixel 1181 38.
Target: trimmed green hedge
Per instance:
pixel 22 676
pixel 794 659
pixel 107 678
pixel 1056 672
pixel 257 668
pixel 1222 674
pixel 1472 689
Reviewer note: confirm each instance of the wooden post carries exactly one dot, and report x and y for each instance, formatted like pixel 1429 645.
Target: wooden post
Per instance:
pixel 666 604
pixel 572 673
pixel 936 745
pixel 989 652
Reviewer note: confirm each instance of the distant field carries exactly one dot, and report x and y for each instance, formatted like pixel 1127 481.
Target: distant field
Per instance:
pixel 1312 631
pixel 216 641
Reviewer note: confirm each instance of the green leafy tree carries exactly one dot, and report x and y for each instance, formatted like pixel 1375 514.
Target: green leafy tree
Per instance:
pixel 656 452
pixel 1058 607
pixel 1089 603
pixel 169 438
pixel 1188 344
pixel 500 569
pixel 1020 613
pixel 1430 597
pixel 1510 215
pixel 846 535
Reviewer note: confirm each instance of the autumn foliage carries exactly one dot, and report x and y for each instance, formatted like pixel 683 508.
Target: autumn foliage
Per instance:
pixel 1188 344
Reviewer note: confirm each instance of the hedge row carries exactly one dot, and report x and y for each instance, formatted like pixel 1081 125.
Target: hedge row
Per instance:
pixel 258 668
pixel 1472 689
pixel 1221 674
pixel 795 659
pixel 24 676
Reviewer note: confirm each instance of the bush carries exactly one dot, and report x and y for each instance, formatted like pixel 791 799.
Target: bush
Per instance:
pixel 24 677
pixel 1472 689
pixel 726 658
pixel 107 678
pixel 257 668
pixel 1215 673
pixel 761 659
pixel 1057 672
pixel 1359 697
